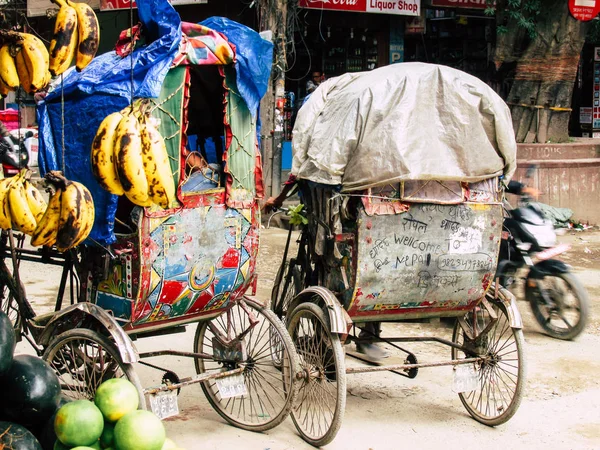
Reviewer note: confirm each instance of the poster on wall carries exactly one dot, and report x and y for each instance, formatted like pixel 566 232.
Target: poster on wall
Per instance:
pixel 398 7
pixel 396 40
pixel 106 5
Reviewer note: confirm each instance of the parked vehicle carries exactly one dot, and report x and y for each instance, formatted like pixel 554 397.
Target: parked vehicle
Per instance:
pixel 402 221
pixel 13 153
pixel 557 298
pixel 154 270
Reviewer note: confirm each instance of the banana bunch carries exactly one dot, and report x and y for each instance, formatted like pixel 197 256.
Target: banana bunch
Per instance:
pixel 69 217
pixel 76 35
pixel 24 61
pixel 22 204
pixel 129 156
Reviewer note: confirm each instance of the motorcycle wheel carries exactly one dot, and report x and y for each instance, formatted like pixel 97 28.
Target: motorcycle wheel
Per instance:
pixel 566 315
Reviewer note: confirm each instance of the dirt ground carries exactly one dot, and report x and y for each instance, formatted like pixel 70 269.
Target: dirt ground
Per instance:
pixel 560 410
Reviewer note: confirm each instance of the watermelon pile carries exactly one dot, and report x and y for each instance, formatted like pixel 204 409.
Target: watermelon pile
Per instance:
pixel 30 394
pixel 35 416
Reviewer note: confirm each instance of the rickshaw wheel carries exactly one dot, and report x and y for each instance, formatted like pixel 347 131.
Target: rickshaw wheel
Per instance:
pixel 502 376
pixel 83 359
pixel 270 379
pixel 9 306
pixel 319 410
pixel 285 288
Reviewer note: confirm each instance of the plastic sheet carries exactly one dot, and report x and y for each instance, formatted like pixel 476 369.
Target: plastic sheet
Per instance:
pixel 254 58
pixel 409 121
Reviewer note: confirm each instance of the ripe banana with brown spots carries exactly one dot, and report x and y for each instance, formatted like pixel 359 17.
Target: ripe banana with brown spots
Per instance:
pixel 35 201
pixel 5 220
pixel 47 227
pixel 130 164
pixel 4 90
pixel 103 156
pixel 64 41
pixel 76 216
pixel 21 216
pixel 161 185
pixel 89 34
pixel 32 62
pixel 8 68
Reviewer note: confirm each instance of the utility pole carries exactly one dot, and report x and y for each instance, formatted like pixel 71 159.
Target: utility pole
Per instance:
pixel 273 17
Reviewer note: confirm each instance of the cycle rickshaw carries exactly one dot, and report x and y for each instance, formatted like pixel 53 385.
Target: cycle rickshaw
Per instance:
pixel 399 171
pixel 152 271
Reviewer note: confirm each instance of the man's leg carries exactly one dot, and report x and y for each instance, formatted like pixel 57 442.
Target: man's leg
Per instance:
pixel 373 351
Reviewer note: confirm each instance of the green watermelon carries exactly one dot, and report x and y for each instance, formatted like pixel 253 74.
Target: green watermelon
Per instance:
pixel 16 437
pixel 7 342
pixel 31 391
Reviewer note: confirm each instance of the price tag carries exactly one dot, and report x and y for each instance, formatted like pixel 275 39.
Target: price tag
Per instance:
pixel 164 404
pixel 466 378
pixel 233 386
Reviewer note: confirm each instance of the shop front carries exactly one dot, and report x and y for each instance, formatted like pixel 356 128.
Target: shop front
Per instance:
pixel 338 36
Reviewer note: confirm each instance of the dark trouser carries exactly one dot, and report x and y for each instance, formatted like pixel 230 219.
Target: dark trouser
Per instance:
pixel 369 330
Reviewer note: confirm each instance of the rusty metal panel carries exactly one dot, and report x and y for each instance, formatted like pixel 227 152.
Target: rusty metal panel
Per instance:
pixel 432 260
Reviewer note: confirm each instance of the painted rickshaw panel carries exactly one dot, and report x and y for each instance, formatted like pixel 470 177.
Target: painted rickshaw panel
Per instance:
pixel 432 260
pixel 194 260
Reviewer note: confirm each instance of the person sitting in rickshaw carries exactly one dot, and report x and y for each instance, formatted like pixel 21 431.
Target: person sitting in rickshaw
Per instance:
pixel 372 351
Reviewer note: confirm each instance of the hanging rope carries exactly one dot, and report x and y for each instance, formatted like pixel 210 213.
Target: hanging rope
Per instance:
pixel 62 114
pixel 131 54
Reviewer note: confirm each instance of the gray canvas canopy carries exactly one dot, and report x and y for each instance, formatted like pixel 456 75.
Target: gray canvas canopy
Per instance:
pixel 408 121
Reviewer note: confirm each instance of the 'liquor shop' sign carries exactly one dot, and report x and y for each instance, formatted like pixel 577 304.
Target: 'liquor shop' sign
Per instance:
pixel 401 7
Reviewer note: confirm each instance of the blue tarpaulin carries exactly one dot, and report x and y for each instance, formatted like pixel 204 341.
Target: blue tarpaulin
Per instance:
pixel 104 87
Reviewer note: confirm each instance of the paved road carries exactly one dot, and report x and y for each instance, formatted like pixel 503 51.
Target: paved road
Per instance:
pixel 561 408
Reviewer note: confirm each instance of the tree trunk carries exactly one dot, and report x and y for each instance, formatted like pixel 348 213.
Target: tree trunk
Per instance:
pixel 273 16
pixel 545 69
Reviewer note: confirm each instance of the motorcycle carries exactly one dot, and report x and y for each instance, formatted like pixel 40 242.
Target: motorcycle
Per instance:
pixel 557 298
pixel 13 153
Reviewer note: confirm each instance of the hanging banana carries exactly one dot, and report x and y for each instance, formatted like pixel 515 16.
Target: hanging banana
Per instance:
pixel 32 63
pixel 69 217
pixel 35 201
pixel 5 220
pixel 64 41
pixel 8 68
pixel 161 185
pixel 21 216
pixel 47 227
pixel 4 90
pixel 103 155
pixel 89 34
pixel 130 164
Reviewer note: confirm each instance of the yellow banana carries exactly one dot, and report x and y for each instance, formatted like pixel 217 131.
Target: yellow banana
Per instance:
pixel 8 68
pixel 76 216
pixel 36 202
pixel 21 216
pixel 69 220
pixel 47 227
pixel 130 165
pixel 4 90
pixel 36 61
pixel 88 215
pixel 5 222
pixel 24 76
pixel 89 34
pixel 161 185
pixel 103 154
pixel 64 41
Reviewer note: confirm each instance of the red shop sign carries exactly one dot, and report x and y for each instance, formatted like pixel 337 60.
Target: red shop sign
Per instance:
pixel 584 10
pixel 473 4
pixel 399 7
